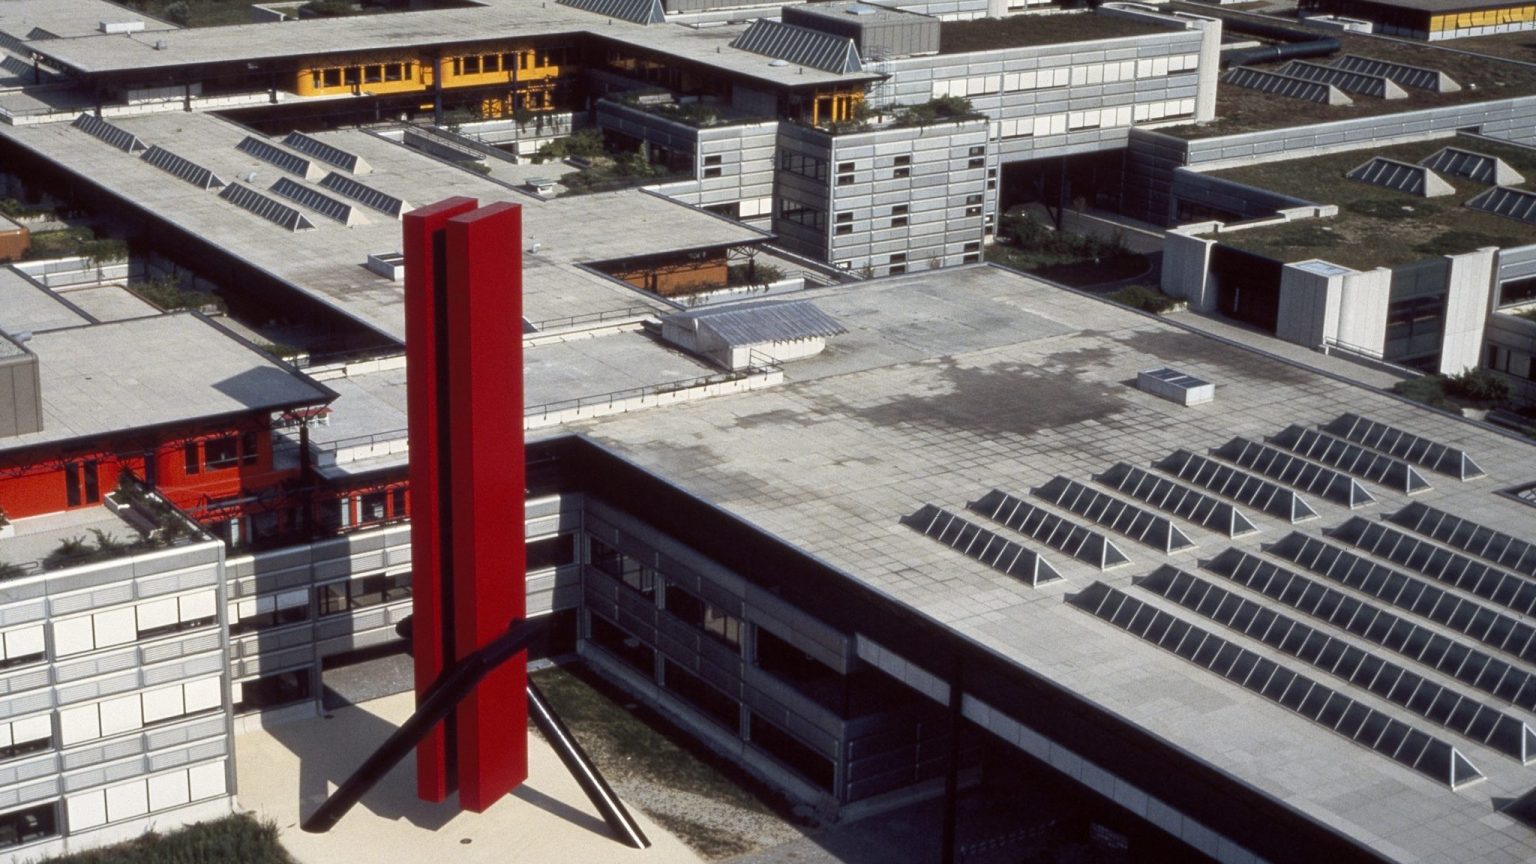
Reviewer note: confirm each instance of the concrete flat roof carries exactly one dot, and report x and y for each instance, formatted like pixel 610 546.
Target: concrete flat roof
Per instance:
pixel 69 18
pixel 953 383
pixel 327 263
pixel 26 307
pixel 496 20
pixel 151 372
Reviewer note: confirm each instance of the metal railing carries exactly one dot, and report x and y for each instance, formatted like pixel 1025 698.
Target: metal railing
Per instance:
pixel 758 364
pixel 387 436
pixel 572 322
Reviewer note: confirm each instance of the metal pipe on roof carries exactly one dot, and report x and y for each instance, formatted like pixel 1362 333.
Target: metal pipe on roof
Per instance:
pixel 1298 44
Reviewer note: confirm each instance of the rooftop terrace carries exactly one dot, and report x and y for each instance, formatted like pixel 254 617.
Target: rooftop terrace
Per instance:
pixel 1378 226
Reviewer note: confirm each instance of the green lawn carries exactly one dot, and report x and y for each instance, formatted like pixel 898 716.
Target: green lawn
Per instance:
pixel 238 839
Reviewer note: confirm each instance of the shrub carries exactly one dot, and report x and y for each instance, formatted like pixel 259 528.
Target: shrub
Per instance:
pixel 169 295
pixel 584 144
pixel 1478 385
pixel 935 110
pixel 11 571
pixel 753 273
pixel 238 839
pixel 1145 298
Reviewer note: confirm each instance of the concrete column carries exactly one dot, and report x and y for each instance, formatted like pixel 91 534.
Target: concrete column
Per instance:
pixel 1467 306
pixel 1187 270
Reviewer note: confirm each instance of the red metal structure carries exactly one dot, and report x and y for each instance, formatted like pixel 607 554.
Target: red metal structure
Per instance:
pixel 463 270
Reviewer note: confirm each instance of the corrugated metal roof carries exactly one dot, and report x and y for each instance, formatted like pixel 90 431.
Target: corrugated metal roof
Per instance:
pixel 801 46
pixel 633 11
pixel 764 322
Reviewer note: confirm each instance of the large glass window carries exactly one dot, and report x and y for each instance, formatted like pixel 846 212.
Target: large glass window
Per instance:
pixel 549 552
pixel 623 567
pixel 281 688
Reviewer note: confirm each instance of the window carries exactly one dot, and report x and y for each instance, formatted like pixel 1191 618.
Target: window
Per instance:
pixel 899 215
pixel 843 167
pixel 223 452
pixel 490 63
pixel 373 74
pixel 175 614
pixel 899 258
pixel 977 163
pixel 379 588
pixel 31 735
pixel 973 204
pixel 803 214
pixel 397 501
pixel 897 269
pixel 250 449
pixel 29 825
pixel 622 567
pixel 978 151
pixel 903 160
pixel 973 246
pixel 189 457
pixel 332 597
pixel 350 76
pixel 472 65
pixel 271 691
pixel 971 258
pixel 270 610
pixel 845 218
pixel 843 230
pixel 903 167
pixel 712 160
pixel 726 628
pixel 394 71
pixel 685 606
pixel 711 172
pixel 805 166
pixel 618 642
pixel 845 180
pixel 373 507
pixel 22 646
pixel 550 552
pixel 331 77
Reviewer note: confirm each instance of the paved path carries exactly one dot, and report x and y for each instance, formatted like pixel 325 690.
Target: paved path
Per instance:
pixel 286 771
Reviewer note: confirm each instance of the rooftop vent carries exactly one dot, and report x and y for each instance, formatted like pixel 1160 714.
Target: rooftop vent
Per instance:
pixel 1175 386
pixel 121 26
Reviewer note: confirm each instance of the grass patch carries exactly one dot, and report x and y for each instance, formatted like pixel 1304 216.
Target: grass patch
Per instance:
pixel 170 296
pixel 1377 227
pixel 238 839
pixel 644 756
pixel 983 34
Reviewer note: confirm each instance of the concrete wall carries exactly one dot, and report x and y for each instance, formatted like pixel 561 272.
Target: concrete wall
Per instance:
pixel 1239 200
pixel 1467 307
pixel 1362 320
pixel 1187 270
pixel 1309 306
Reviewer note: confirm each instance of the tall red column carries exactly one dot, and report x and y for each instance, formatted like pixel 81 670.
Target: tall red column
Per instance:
pixel 464 383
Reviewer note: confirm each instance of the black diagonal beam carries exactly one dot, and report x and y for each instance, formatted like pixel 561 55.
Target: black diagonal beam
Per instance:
pixel 442 701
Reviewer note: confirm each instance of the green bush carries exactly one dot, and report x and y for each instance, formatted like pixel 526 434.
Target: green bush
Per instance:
pixel 934 110
pixel 169 295
pixel 584 144
pixel 11 571
pixel 753 273
pixel 238 839
pixel 1478 386
pixel 1145 298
